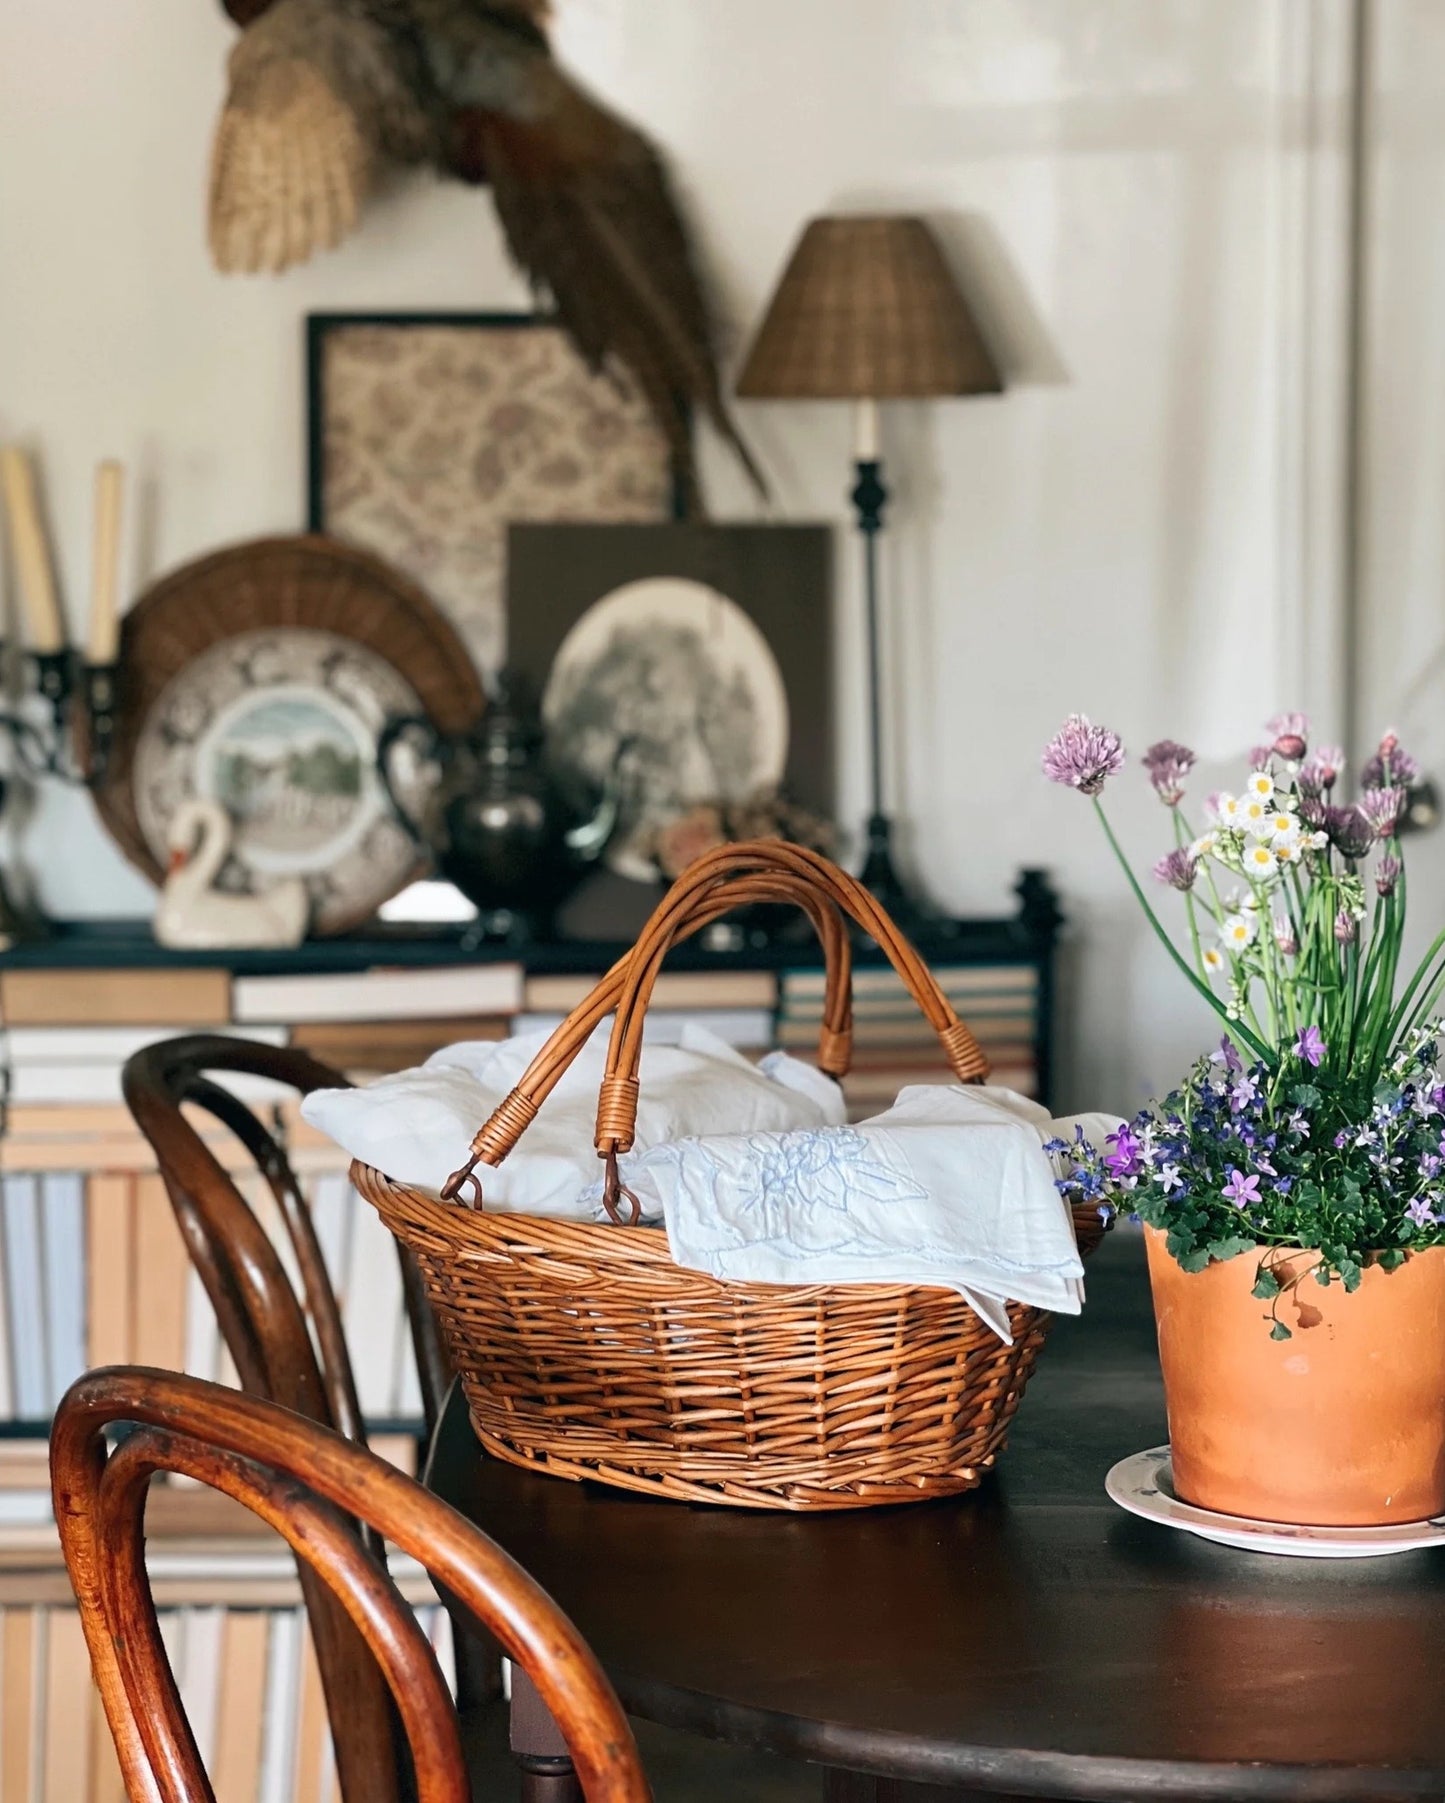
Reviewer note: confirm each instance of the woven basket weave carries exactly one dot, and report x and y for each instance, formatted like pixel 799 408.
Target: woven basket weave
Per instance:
pixel 586 1352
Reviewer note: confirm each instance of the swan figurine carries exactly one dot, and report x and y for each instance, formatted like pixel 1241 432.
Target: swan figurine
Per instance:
pixel 194 916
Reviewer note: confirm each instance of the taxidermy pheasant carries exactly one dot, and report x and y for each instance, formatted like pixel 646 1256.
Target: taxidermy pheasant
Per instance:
pixel 325 94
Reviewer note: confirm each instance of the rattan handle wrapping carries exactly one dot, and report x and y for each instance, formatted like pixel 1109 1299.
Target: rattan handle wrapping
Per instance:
pixel 731 880
pixel 617 1106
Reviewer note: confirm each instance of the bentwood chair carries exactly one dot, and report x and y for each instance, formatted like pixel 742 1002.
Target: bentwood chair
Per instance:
pixel 313 1487
pixel 288 1348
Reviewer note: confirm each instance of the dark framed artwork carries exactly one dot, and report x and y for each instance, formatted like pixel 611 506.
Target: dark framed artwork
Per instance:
pixel 429 433
pixel 693 661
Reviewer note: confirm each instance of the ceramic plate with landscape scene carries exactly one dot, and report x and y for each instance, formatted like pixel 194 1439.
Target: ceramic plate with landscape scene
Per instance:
pixel 281 728
pixel 668 682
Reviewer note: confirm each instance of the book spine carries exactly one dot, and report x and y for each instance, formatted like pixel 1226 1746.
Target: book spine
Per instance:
pixel 110 1243
pixel 62 1238
pixel 19 1199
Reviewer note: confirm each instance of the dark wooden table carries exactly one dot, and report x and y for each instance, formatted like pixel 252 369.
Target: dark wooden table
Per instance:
pixel 1028 1639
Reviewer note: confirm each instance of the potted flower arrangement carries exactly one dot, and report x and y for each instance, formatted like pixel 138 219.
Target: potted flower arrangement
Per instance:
pixel 1292 1187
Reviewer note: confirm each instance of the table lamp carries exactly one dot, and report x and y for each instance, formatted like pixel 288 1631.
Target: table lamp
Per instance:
pixel 868 311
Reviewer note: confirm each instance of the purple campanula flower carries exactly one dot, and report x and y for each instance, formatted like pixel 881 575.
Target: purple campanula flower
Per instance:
pixel 1241 1190
pixel 1083 756
pixel 1168 764
pixel 1419 1213
pixel 1310 1046
pixel 1320 771
pixel 1228 1056
pixel 1383 808
pixel 1290 733
pixel 1351 832
pixel 1245 1091
pixel 1387 873
pixel 1178 869
pixel 1124 1158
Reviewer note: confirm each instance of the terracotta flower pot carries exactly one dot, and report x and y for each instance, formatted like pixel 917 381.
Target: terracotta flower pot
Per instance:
pixel 1342 1425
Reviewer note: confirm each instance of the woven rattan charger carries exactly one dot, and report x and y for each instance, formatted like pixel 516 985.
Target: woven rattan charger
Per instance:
pixel 586 1352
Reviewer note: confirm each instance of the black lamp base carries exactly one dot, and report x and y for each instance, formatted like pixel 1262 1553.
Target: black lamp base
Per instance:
pixel 879 876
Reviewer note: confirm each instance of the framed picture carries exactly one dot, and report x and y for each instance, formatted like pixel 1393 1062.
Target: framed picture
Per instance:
pixel 687 663
pixel 429 433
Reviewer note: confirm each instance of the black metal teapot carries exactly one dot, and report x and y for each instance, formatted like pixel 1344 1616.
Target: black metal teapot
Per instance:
pixel 513 835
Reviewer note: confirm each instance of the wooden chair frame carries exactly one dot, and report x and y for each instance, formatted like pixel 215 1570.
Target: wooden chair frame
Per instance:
pixel 268 1330
pixel 312 1486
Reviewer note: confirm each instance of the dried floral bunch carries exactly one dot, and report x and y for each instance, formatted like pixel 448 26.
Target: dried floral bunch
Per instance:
pixel 764 815
pixel 1320 1124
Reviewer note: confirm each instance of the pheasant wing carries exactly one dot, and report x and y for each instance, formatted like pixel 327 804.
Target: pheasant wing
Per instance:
pixel 589 213
pixel 321 94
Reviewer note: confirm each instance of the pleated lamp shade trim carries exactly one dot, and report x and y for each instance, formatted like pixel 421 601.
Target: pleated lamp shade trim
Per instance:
pixel 867 309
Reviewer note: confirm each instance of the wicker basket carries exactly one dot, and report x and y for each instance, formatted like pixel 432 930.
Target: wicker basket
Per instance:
pixel 586 1352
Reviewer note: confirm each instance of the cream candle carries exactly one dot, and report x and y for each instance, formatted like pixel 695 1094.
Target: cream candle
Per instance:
pixel 104 638
pixel 30 552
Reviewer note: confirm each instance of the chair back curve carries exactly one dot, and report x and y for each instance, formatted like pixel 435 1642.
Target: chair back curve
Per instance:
pixel 312 1486
pixel 289 1348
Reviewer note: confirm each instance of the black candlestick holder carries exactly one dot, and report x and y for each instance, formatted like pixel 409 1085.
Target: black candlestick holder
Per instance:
pixel 72 745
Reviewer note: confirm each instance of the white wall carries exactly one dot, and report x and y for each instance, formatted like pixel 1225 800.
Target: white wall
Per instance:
pixel 1142 194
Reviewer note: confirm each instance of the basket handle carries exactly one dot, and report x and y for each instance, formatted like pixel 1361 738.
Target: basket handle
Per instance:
pixel 617 1103
pixel 698 897
pixel 726 878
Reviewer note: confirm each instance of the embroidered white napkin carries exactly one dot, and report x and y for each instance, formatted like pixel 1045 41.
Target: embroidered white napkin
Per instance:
pixel 417 1125
pixel 950 1186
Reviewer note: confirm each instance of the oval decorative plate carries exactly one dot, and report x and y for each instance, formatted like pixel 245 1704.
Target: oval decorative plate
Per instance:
pixel 1144 1486
pixel 261 677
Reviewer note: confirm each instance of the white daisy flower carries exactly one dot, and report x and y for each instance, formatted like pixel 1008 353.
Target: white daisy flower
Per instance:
pixel 1260 784
pixel 1238 930
pixel 1262 862
pixel 1226 809
pixel 1252 811
pixel 1288 853
pixel 1204 845
pixel 1317 841
pixel 1213 960
pixel 1283 828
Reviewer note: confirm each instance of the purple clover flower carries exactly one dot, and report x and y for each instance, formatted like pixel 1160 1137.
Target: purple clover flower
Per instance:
pixel 1390 766
pixel 1168 764
pixel 1387 873
pixel 1284 936
pixel 1351 832
pixel 1241 1190
pixel 1383 808
pixel 1321 770
pixel 1261 757
pixel 1347 928
pixel 1290 733
pixel 1310 1046
pixel 1178 869
pixel 1083 756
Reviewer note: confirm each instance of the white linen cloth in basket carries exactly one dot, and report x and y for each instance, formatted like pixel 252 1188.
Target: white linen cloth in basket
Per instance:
pixel 417 1125
pixel 951 1186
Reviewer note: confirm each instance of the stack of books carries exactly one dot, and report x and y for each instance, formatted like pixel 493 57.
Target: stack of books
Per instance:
pixel 739 1006
pixel 893 1044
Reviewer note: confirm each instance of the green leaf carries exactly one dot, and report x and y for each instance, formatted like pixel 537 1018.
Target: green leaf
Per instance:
pixel 1280 1332
pixel 1231 1246
pixel 1195 1260
pixel 1350 1274
pixel 1392 1259
pixel 1305 1095
pixel 1266 1286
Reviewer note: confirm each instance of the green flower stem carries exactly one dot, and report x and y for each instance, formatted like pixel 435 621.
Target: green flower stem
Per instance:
pixel 1256 1044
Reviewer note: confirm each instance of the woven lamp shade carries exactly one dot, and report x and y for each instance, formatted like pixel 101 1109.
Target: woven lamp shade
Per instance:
pixel 867 309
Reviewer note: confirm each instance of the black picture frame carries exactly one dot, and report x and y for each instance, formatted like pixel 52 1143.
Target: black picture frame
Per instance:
pixel 780 576
pixel 321 330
